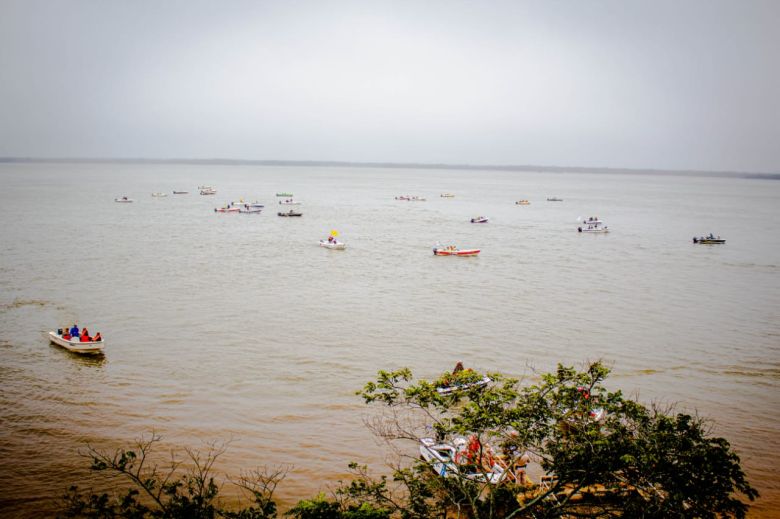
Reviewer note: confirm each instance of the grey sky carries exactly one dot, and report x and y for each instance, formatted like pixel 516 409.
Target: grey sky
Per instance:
pixel 619 83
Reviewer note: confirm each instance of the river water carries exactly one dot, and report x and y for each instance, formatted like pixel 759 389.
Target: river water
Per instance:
pixel 240 328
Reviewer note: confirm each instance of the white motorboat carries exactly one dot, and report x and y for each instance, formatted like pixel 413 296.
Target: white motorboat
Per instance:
pixel 208 191
pixel 709 240
pixel 455 387
pixel 593 226
pixel 227 209
pixel 242 203
pixel 447 195
pixel 334 244
pixel 409 198
pixel 159 195
pixel 289 201
pixel 76 346
pixel 250 210
pixel 480 219
pixel 124 200
pixel 459 459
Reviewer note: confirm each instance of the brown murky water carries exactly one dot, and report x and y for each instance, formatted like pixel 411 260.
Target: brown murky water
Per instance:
pixel 239 327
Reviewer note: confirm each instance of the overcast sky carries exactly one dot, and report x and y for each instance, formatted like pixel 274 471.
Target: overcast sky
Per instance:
pixel 647 84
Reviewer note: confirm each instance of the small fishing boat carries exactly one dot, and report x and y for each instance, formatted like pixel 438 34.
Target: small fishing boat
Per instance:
pixel 334 244
pixel 480 219
pixel 456 387
pixel 250 210
pixel 289 201
pixel 291 212
pixel 208 191
pixel 452 250
pixel 205 187
pixel 592 220
pixel 447 195
pixel 124 200
pixel 227 209
pixel 554 199
pixel 288 195
pixel 522 202
pixel 408 198
pixel 460 458
pixel 593 226
pixel 76 346
pixel 709 240
pixel 181 192
pixel 159 195
pixel 241 203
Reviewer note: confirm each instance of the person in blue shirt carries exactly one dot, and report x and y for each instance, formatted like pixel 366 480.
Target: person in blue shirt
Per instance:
pixel 74 332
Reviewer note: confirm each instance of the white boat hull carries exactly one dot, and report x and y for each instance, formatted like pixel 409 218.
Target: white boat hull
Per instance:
pixel 333 245
pixel 85 348
pixel 443 459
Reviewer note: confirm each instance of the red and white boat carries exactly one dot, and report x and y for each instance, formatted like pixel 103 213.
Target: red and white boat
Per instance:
pixel 452 250
pixel 227 209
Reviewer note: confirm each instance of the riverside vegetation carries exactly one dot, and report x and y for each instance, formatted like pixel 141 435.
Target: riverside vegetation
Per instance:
pixel 635 461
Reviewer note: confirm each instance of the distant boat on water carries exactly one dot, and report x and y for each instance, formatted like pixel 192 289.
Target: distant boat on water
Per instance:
pixel 709 240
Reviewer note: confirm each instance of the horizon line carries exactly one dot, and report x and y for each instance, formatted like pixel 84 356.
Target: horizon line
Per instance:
pixel 398 165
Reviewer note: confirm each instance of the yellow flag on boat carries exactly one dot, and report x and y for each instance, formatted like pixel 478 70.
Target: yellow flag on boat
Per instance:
pixel 334 233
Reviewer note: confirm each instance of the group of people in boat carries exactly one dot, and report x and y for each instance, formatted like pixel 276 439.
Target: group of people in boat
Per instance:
pixel 73 333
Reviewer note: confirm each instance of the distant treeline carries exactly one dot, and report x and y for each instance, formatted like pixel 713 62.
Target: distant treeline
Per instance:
pixel 399 165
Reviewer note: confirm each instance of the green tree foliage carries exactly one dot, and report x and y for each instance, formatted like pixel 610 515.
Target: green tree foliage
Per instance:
pixel 598 454
pixel 603 455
